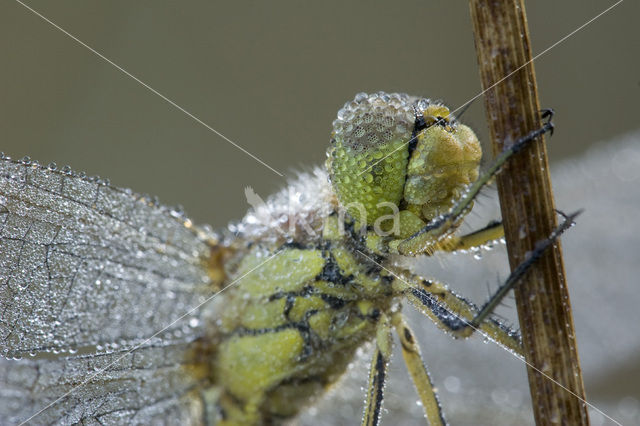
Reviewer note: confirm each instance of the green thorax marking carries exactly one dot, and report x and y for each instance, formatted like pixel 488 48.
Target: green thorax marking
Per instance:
pixel 297 319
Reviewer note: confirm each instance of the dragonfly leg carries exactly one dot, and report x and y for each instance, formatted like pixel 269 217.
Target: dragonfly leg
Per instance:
pixel 452 312
pixel 378 373
pixel 461 317
pixel 521 270
pixel 493 231
pixel 418 371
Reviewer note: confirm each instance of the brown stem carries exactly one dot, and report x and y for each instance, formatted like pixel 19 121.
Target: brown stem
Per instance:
pixel 503 46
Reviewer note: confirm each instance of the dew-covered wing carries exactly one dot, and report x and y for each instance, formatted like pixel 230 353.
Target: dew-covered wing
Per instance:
pixel 145 386
pixel 89 268
pixel 84 263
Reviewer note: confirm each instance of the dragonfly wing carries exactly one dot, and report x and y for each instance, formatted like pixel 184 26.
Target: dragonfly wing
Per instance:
pixel 145 386
pixel 94 270
pixel 84 263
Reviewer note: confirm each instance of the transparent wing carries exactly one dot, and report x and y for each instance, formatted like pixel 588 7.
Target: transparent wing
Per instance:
pixel 94 270
pixel 83 263
pixel 145 386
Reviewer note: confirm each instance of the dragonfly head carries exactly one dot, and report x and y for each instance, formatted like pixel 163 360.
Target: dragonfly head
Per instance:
pixel 396 150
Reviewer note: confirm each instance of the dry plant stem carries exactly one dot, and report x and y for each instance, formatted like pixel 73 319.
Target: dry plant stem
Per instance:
pixel 502 45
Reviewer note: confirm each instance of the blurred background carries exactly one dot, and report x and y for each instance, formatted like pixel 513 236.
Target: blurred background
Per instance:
pixel 270 76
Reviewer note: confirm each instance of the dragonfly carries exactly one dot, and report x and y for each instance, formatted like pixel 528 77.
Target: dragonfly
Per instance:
pixel 117 309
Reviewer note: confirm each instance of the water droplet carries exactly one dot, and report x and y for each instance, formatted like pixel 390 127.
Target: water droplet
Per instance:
pixel 522 234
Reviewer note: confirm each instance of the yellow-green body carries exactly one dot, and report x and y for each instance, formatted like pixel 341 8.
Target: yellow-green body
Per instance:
pixel 305 288
pixel 291 326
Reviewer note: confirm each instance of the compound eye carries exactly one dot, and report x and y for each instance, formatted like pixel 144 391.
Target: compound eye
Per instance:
pixel 369 153
pixel 371 121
